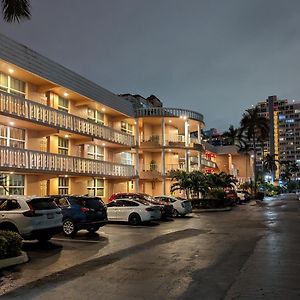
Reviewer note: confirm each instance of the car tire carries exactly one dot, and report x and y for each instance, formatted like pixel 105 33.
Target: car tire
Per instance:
pixel 69 227
pixel 93 229
pixel 175 213
pixel 134 219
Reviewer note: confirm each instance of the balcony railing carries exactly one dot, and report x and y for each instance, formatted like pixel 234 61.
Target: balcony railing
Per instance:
pixel 172 140
pixel 19 107
pixel 44 162
pixel 208 163
pixel 168 112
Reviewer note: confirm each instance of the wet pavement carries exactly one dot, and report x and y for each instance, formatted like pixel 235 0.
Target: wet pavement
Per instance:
pixel 250 252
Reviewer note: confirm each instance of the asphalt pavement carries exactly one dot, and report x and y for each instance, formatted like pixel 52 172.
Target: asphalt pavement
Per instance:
pixel 250 252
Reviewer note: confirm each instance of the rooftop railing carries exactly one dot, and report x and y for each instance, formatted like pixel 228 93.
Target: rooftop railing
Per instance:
pixel 168 112
pixel 18 107
pixel 44 162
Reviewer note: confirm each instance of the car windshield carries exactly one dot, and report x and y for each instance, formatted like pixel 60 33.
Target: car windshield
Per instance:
pixel 88 202
pixel 42 203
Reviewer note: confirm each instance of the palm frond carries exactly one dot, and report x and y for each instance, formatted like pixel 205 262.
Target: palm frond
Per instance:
pixel 15 10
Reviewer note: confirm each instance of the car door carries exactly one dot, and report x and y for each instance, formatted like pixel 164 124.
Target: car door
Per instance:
pixel 122 210
pixel 112 211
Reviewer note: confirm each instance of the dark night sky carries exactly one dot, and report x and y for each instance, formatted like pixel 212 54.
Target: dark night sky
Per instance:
pixel 216 57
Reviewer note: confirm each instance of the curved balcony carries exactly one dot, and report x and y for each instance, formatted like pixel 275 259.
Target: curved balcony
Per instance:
pixel 18 107
pixel 168 112
pixel 15 159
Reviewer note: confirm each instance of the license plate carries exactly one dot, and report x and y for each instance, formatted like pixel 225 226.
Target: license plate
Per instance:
pixel 50 216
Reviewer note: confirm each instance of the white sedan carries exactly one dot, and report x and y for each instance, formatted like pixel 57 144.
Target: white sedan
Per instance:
pixel 182 207
pixel 133 211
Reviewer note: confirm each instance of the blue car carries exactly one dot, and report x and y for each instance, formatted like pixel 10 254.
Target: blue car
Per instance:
pixel 81 212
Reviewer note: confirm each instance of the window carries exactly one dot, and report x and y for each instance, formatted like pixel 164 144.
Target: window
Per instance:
pixel 12 85
pixel 125 127
pixel 12 137
pixel 126 158
pixel 95 152
pixel 96 187
pixel 63 185
pixel 9 204
pixel 96 116
pixel 12 184
pixel 63 146
pixel 63 104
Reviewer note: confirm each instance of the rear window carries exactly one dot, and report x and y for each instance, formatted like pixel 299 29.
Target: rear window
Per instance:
pixel 42 203
pixel 94 203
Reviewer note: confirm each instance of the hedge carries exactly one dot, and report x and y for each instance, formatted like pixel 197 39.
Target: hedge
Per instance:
pixel 10 244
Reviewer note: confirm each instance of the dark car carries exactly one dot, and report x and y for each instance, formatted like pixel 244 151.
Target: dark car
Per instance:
pixel 81 212
pixel 166 209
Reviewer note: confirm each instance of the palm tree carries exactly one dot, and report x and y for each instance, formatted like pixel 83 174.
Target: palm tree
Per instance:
pixel 254 126
pixel 199 183
pixel 234 136
pixel 182 182
pixel 269 163
pixel 15 10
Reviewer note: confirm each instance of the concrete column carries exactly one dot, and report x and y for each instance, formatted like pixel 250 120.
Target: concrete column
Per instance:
pixel 199 161
pixel 163 154
pixel 199 133
pixel 187 142
pixel 137 144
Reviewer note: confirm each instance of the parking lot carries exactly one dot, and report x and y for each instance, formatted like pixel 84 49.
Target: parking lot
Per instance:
pixel 203 256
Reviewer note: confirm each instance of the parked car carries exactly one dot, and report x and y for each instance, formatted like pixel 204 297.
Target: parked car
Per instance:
pixel 81 212
pixel 232 196
pixel 181 207
pixel 166 209
pixel 133 211
pixel 32 217
pixel 243 196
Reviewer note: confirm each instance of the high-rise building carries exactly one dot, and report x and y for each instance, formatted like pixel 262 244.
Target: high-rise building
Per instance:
pixel 283 143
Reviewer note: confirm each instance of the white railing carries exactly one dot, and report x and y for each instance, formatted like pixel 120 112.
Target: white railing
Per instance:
pixel 208 163
pixel 19 107
pixel 37 161
pixel 168 112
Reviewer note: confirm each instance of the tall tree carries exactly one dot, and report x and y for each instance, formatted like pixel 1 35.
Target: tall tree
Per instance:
pixel 254 126
pixel 234 136
pixel 15 10
pixel 270 163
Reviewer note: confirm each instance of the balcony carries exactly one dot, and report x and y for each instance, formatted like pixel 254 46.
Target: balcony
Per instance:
pixel 43 162
pixel 208 163
pixel 18 107
pixel 175 140
pixel 168 112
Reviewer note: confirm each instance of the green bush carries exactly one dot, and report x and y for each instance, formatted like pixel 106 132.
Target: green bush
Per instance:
pixel 10 244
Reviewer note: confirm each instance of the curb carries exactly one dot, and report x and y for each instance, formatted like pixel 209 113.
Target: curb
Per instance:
pixel 201 210
pixel 12 261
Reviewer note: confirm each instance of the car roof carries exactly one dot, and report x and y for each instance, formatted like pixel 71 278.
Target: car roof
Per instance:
pixel 24 198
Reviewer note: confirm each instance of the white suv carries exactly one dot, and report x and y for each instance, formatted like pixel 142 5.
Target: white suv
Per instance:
pixel 32 217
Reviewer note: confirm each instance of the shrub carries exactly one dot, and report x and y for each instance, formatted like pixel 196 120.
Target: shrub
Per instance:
pixel 10 244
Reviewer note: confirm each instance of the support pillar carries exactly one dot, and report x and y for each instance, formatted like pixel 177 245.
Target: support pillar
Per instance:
pixel 137 144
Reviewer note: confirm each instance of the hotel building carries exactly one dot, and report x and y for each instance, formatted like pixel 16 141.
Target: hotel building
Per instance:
pixel 61 133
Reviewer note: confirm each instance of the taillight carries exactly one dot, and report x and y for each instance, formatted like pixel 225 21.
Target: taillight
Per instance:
pixel 84 209
pixel 149 209
pixel 31 212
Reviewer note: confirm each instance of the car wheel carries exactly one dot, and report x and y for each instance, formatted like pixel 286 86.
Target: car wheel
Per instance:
pixel 134 219
pixel 93 229
pixel 69 227
pixel 175 213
